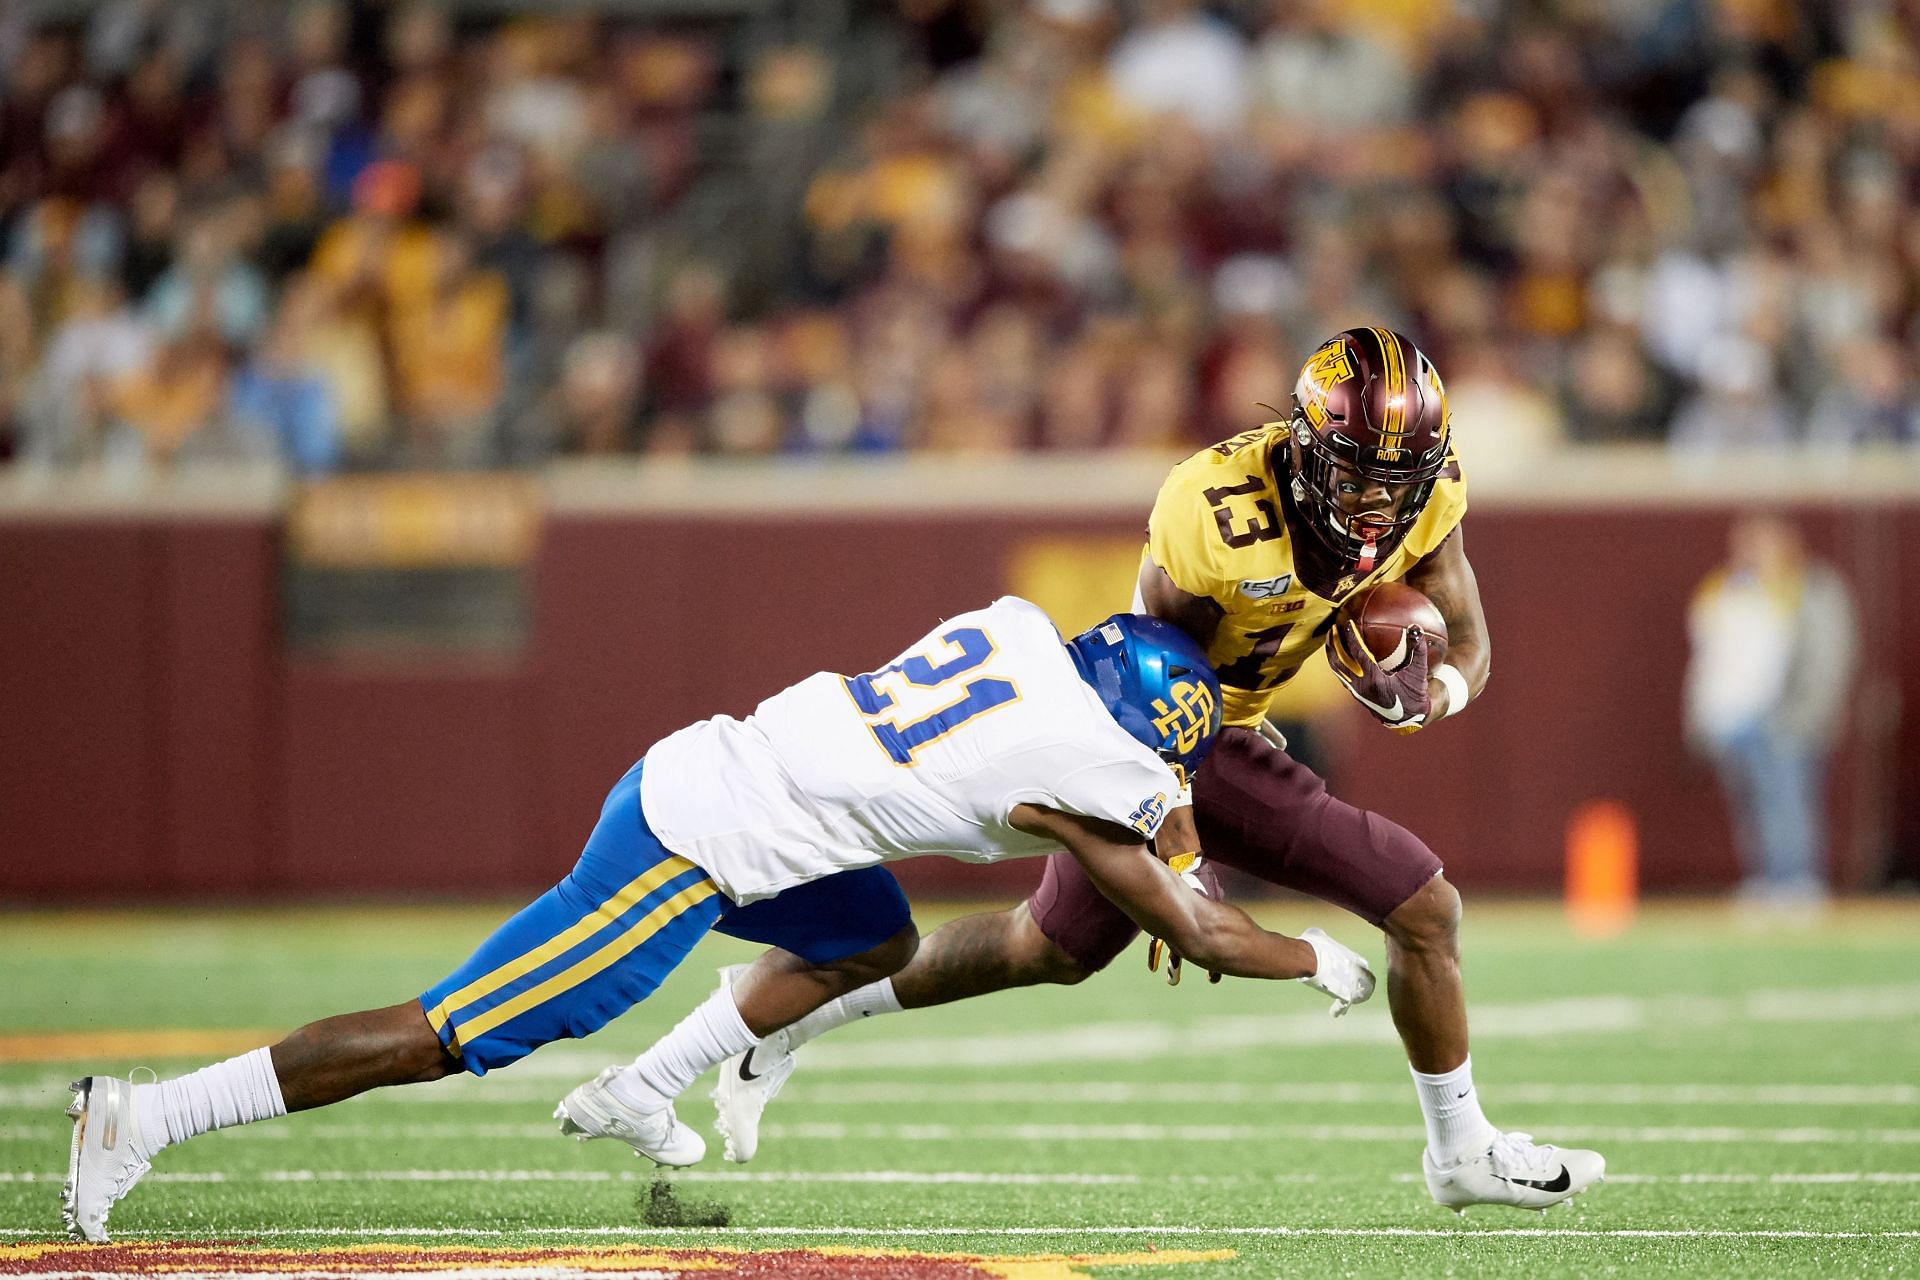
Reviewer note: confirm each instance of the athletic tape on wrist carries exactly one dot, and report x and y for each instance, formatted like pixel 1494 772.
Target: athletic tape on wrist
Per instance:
pixel 1456 686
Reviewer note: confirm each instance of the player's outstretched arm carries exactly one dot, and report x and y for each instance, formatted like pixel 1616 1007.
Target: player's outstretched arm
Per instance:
pixel 1446 578
pixel 1213 935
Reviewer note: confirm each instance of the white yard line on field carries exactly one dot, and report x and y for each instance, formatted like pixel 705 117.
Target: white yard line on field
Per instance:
pixel 1153 1133
pixel 1132 1093
pixel 845 1177
pixel 1740 1179
pixel 1068 1232
pixel 1122 1093
pixel 916 1177
pixel 508 1091
pixel 1143 1133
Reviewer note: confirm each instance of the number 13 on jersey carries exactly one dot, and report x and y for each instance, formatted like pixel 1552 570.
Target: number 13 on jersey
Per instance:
pixel 924 705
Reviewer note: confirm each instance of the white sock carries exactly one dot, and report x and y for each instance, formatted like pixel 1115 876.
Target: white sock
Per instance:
pixel 704 1038
pixel 876 997
pixel 237 1091
pixel 1456 1127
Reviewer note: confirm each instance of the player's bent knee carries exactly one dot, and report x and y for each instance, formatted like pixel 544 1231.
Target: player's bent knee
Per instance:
pixel 882 960
pixel 891 956
pixel 1038 958
pixel 1429 920
pixel 1063 970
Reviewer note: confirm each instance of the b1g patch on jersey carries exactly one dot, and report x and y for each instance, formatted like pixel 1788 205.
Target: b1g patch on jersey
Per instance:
pixel 1148 817
pixel 1266 588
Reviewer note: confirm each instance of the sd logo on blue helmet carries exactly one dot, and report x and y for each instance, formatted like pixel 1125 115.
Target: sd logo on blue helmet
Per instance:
pixel 1156 683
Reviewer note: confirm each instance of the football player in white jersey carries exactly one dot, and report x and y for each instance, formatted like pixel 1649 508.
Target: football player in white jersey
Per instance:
pixel 988 739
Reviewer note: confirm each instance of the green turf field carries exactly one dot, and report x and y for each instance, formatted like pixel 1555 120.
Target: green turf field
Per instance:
pixel 1757 1095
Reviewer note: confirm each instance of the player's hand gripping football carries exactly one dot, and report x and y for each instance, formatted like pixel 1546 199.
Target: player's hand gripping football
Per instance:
pixel 1340 972
pixel 1397 698
pixel 1200 878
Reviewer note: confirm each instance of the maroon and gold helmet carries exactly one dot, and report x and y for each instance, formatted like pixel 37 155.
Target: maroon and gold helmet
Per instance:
pixel 1368 406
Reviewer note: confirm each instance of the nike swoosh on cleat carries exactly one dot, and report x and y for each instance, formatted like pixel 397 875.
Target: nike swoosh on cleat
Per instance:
pixel 744 1060
pixel 1560 1183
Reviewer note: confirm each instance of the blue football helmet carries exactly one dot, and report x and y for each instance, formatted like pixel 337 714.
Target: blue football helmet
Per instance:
pixel 1157 683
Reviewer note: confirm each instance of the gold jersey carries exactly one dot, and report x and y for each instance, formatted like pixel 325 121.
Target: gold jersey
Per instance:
pixel 1218 531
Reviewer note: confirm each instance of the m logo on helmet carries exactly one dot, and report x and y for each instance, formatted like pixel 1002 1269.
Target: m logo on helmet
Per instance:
pixel 1328 367
pixel 1184 725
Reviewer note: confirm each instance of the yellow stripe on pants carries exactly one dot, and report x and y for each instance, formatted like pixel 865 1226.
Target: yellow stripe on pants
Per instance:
pixel 623 901
pixel 581 970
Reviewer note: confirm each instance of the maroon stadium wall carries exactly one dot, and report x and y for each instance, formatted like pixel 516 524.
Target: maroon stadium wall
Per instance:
pixel 156 731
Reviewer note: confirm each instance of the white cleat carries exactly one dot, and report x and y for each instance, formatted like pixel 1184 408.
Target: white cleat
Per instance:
pixel 104 1164
pixel 748 1082
pixel 1515 1171
pixel 592 1111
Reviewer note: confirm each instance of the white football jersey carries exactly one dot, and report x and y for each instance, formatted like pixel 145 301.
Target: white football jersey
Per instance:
pixel 929 754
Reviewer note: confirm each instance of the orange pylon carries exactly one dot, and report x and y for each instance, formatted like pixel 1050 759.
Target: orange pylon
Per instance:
pixel 1603 868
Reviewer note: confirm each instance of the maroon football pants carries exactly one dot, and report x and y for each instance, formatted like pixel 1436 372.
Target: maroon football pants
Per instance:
pixel 1263 812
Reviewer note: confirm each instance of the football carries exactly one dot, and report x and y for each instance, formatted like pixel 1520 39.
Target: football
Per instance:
pixel 1384 611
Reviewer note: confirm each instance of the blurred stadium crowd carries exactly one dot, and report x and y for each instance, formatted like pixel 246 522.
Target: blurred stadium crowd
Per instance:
pixel 372 235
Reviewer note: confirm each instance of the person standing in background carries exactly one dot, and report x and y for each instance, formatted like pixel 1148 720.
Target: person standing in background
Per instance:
pixel 1772 635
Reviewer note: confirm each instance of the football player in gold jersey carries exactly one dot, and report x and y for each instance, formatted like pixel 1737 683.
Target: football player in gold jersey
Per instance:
pixel 1251 548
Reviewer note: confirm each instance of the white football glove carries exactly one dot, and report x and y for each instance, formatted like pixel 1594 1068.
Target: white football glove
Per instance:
pixel 1340 972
